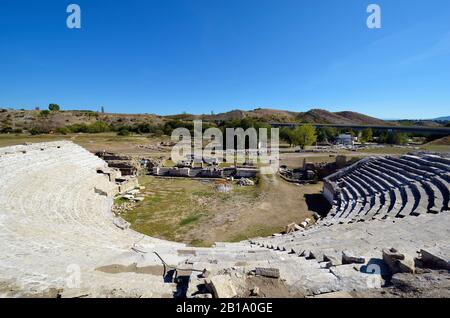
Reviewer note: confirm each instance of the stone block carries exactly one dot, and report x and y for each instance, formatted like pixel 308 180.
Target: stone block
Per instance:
pixel 348 257
pixel 254 291
pixel 317 255
pixel 289 228
pixel 407 265
pixel 332 260
pixel 391 257
pixel 436 258
pixel 268 272
pixel 222 286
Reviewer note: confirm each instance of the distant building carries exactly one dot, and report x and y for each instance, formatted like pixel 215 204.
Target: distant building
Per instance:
pixel 345 139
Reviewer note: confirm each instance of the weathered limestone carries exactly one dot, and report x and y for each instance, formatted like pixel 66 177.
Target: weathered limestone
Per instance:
pixel 222 286
pixel 349 257
pixel 377 188
pixel 436 257
pixel 267 272
pixel 392 258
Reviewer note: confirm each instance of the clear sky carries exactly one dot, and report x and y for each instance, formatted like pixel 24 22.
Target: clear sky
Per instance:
pixel 198 56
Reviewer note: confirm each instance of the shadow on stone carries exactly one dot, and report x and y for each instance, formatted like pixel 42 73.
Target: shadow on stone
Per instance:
pixel 317 203
pixel 376 266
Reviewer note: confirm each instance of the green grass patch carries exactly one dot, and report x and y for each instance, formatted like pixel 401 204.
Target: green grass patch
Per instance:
pixel 120 201
pixel 204 194
pixel 190 219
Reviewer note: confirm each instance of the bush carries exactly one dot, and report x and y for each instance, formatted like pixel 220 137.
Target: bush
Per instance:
pixel 6 130
pixel 63 131
pixel 98 127
pixel 123 132
pixel 45 113
pixel 18 131
pixel 78 128
pixel 95 128
pixel 36 131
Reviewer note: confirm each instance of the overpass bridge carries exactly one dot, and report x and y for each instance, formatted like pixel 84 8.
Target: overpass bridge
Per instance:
pixel 444 131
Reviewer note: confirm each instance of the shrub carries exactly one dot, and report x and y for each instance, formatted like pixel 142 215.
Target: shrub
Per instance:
pixel 36 131
pixel 63 131
pixel 95 128
pixel 6 130
pixel 98 127
pixel 78 128
pixel 123 132
pixel 45 113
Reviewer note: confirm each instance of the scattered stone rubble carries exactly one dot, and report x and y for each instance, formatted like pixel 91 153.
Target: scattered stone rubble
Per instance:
pixel 313 172
pixel 132 196
pixel 245 182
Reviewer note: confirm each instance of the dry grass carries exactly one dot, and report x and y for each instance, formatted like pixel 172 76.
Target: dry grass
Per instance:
pixel 92 142
pixel 192 212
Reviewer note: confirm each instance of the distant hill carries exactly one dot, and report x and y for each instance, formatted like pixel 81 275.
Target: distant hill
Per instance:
pixel 445 118
pixel 445 141
pixel 30 118
pixel 316 116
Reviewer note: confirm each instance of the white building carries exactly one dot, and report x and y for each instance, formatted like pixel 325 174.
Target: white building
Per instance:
pixel 345 139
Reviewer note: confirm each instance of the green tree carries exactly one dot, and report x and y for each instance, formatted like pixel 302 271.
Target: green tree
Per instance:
pixel 287 135
pixel 304 135
pixel 393 138
pixel 54 107
pixel 326 134
pixel 399 138
pixel 367 135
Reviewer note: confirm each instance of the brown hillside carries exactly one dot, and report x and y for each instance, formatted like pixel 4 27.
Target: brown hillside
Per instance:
pixel 361 119
pixel 31 118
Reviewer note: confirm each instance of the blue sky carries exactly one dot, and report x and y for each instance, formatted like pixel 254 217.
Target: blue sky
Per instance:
pixel 198 56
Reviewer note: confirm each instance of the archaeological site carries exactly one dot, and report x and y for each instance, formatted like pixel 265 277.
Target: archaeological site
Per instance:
pixel 224 156
pixel 386 234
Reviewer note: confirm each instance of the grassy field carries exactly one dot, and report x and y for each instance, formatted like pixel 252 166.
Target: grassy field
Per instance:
pixel 193 212
pixel 436 148
pixel 388 150
pixel 174 208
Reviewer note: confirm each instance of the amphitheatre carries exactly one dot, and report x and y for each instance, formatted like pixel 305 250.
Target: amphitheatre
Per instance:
pixel 386 235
